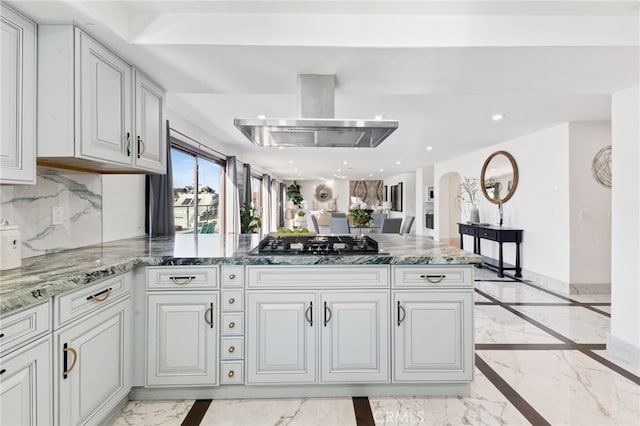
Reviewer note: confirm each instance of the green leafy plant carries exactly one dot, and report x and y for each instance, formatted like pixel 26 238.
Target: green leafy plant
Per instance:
pixel 360 216
pixel 250 222
pixel 301 213
pixel 293 194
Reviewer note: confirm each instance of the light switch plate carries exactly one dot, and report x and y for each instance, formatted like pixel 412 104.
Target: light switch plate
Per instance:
pixel 57 215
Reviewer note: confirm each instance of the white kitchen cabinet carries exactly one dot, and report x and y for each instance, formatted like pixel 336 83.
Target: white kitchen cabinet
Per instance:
pixel 433 336
pixel 281 346
pixel 182 339
pixel 93 365
pixel 150 137
pixel 18 100
pixel 355 336
pixel 87 102
pixel 25 385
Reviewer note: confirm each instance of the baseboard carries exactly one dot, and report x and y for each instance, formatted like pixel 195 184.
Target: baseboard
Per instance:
pixel 557 286
pixel 108 419
pixel 597 288
pixel 623 350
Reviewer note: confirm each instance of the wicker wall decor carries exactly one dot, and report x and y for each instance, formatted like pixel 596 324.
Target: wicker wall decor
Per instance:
pixel 601 166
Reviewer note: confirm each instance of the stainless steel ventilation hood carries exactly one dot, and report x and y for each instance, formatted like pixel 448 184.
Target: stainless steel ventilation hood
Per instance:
pixel 316 126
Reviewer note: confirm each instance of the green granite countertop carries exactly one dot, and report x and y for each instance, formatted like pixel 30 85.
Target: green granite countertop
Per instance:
pixel 45 276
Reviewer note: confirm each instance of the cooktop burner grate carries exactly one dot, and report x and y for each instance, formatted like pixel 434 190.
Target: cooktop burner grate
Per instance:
pixel 319 245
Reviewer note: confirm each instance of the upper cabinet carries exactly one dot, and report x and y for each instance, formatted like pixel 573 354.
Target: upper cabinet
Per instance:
pixel 97 112
pixel 18 99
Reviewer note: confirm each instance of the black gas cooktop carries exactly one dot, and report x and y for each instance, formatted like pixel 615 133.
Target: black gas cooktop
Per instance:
pixel 318 245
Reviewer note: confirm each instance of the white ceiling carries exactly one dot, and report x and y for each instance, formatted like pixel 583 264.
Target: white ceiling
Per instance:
pixel 441 68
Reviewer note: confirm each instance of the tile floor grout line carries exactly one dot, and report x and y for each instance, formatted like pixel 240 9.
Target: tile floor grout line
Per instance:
pixel 540 346
pixel 597 311
pixel 526 409
pixel 362 409
pixel 613 366
pixel 196 413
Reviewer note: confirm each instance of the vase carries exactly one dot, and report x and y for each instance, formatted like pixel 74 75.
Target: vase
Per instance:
pixel 474 216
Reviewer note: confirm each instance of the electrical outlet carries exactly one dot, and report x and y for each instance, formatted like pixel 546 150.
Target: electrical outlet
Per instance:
pixel 57 215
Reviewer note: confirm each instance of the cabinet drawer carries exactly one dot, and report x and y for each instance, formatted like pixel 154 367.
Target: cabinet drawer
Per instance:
pixel 232 276
pixel 232 373
pixel 71 306
pixel 187 277
pixel 233 324
pixel 232 348
pixel 232 300
pixel 467 229
pixel 317 276
pixel 432 276
pixel 16 329
pixel 489 234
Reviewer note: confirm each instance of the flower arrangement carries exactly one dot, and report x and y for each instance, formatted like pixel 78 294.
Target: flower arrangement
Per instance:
pixel 250 221
pixel 360 216
pixel 468 196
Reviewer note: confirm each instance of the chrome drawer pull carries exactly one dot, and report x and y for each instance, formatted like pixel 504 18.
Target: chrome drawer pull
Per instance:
pixel 433 278
pixel 404 314
pixel 95 298
pixel 231 373
pixel 327 310
pixel 232 301
pixel 185 280
pixel 308 314
pixel 232 276
pixel 208 315
pixel 232 324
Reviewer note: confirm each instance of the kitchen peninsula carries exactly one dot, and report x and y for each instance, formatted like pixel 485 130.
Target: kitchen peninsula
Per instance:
pixel 202 317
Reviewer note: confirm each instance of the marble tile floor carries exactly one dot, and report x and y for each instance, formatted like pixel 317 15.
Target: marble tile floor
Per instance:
pixel 540 359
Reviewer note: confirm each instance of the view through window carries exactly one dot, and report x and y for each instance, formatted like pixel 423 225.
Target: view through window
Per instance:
pixel 197 183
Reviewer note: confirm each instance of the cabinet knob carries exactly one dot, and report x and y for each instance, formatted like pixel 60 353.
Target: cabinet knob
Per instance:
pixel 232 276
pixel 232 324
pixel 232 349
pixel 232 301
pixel 231 373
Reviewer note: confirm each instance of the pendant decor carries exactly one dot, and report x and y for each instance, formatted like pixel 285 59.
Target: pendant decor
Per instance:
pixel 601 166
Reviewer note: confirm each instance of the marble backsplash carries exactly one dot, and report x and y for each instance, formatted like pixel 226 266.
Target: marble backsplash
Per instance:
pixel 79 194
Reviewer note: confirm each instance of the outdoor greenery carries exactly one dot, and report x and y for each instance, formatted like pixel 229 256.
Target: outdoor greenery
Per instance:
pixel 250 221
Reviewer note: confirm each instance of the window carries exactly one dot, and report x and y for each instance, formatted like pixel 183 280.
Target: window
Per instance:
pixel 197 187
pixel 256 190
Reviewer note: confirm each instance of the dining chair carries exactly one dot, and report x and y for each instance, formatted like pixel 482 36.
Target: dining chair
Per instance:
pixel 312 223
pixel 338 215
pixel 377 218
pixel 406 224
pixel 391 225
pixel 338 225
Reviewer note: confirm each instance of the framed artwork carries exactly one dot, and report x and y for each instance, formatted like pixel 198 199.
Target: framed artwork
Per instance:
pixel 386 193
pixel 396 197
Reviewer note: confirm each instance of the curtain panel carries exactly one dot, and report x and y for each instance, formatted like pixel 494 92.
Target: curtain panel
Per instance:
pixel 233 196
pixel 159 199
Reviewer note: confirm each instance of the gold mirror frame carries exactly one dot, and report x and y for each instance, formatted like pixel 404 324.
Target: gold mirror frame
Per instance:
pixel 514 183
pixel 323 193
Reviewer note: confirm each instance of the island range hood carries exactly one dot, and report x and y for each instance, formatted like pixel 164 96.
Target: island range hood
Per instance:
pixel 316 125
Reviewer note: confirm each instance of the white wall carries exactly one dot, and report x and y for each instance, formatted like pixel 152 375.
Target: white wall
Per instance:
pixel 590 207
pixel 339 190
pixel 408 195
pixel 424 178
pixel 123 208
pixel 539 206
pixel 624 339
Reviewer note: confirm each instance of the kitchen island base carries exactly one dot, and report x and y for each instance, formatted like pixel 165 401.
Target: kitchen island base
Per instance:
pixel 302 391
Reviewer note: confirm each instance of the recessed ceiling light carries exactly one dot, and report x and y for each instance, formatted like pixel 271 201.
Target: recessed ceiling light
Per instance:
pixel 429 148
pixel 295 170
pixel 281 147
pixel 370 174
pixel 344 162
pixel 378 117
pixel 497 117
pixel 398 162
pixel 355 147
pixel 290 161
pixel 339 170
pixel 261 116
pixel 382 170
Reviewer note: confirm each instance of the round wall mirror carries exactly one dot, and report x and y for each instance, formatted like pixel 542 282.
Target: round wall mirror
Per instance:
pixel 499 177
pixel 323 193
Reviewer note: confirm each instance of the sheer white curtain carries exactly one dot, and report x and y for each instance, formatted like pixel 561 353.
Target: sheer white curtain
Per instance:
pixel 266 203
pixel 275 187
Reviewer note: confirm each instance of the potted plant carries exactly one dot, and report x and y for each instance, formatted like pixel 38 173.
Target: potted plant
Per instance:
pixel 359 216
pixel 250 222
pixel 293 194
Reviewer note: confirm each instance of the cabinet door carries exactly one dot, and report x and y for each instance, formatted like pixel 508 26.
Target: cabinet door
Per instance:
pixel 18 100
pixel 25 385
pixel 93 365
pixel 182 339
pixel 433 336
pixel 150 142
pixel 103 103
pixel 281 346
pixel 355 336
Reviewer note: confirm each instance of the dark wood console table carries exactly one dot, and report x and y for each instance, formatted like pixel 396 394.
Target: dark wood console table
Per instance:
pixel 497 234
